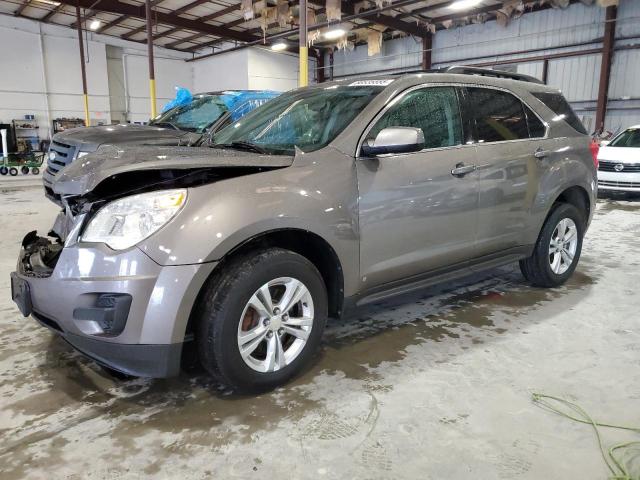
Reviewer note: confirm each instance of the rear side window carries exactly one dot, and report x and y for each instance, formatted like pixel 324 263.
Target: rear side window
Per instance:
pixel 559 106
pixel 499 115
pixel 434 110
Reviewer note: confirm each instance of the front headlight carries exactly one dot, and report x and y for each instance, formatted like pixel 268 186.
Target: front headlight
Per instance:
pixel 127 221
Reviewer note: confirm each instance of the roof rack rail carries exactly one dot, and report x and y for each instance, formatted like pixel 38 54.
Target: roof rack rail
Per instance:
pixel 487 72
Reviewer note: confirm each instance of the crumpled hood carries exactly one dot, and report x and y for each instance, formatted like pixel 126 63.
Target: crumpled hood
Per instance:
pixel 93 137
pixel 83 175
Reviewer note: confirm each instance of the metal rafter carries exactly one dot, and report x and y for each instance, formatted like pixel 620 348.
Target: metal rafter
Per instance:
pixel 21 8
pixel 51 13
pixel 206 18
pixel 138 11
pixel 212 16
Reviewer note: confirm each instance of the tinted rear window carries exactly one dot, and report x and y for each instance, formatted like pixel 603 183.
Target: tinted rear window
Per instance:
pixel 499 115
pixel 559 106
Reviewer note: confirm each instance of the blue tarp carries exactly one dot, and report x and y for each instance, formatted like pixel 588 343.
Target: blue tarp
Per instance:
pixel 183 97
pixel 241 102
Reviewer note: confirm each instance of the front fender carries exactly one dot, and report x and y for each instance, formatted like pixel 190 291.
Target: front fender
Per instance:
pixel 319 197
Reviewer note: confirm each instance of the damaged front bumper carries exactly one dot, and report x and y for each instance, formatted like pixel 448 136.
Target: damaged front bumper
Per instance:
pixel 121 309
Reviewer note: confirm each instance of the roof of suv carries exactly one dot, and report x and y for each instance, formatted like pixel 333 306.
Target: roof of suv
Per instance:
pixel 451 74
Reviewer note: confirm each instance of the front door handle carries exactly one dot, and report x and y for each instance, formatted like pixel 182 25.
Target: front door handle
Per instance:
pixel 540 153
pixel 461 170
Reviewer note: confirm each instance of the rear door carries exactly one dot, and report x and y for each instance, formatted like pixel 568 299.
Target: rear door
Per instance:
pixel 508 134
pixel 416 216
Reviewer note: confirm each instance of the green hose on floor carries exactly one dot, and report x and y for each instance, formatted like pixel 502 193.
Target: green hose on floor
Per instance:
pixel 576 413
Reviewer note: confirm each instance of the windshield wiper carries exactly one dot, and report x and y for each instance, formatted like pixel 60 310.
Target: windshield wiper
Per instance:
pixel 241 145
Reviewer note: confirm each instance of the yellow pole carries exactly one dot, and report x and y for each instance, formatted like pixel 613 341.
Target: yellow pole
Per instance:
pixel 152 94
pixel 304 46
pixel 304 66
pixel 87 120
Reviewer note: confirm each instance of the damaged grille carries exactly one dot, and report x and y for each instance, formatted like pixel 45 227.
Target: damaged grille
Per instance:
pixel 39 255
pixel 64 154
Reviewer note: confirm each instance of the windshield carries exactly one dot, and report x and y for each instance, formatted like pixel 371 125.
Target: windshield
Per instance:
pixel 629 138
pixel 196 116
pixel 309 119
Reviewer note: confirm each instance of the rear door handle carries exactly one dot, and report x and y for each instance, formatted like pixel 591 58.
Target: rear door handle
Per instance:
pixel 540 153
pixel 461 170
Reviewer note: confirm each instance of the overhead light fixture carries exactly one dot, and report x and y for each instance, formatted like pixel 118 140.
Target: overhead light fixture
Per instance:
pixel 278 47
pixel 464 4
pixel 95 24
pixel 335 33
pixel 49 2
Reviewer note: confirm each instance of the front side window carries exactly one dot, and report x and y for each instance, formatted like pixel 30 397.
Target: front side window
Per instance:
pixel 629 138
pixel 499 115
pixel 308 119
pixel 434 110
pixel 196 116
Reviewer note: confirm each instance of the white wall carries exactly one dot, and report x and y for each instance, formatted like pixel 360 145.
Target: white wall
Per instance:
pixel 222 72
pixel 250 68
pixel 50 85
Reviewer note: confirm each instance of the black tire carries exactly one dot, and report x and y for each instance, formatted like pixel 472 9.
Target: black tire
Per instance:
pixel 13 171
pixel 537 269
pixel 35 170
pixel 221 306
pixel 24 170
pixel 4 170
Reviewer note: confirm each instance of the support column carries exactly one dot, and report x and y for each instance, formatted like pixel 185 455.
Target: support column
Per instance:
pixel 427 45
pixel 304 47
pixel 545 70
pixel 605 66
pixel 331 64
pixel 85 97
pixel 152 75
pixel 320 66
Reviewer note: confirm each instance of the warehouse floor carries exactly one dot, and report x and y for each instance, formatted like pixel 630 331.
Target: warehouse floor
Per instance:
pixel 433 386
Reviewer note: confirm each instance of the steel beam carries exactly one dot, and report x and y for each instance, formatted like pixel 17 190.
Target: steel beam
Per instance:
pixel 427 46
pixel 605 66
pixel 83 70
pixel 138 11
pixel 21 8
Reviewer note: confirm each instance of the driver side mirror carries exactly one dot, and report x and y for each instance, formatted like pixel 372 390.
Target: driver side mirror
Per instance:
pixel 394 140
pixel 604 143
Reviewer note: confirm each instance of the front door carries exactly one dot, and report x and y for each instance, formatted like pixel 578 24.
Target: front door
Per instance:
pixel 415 215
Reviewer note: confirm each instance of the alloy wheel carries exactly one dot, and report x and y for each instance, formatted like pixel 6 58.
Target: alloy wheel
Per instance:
pixel 275 324
pixel 563 246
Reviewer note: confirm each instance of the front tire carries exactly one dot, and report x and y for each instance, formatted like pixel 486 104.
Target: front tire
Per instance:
pixel 558 248
pixel 260 319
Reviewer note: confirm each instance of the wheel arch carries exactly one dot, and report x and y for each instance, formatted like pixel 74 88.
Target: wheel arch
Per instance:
pixel 303 242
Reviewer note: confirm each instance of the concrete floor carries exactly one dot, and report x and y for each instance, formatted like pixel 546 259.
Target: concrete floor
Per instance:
pixel 434 386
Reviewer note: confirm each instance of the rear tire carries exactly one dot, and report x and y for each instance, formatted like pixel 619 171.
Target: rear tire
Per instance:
pixel 248 297
pixel 558 248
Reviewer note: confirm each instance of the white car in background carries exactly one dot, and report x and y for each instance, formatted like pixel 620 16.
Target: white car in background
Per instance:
pixel 619 162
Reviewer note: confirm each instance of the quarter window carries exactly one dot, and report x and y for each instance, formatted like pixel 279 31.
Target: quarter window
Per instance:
pixel 434 110
pixel 499 115
pixel 536 127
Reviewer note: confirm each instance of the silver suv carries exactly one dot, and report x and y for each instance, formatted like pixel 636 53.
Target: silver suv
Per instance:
pixel 324 199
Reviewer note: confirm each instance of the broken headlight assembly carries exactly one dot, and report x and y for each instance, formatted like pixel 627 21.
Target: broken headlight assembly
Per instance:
pixel 127 221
